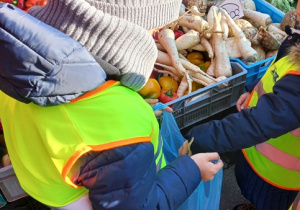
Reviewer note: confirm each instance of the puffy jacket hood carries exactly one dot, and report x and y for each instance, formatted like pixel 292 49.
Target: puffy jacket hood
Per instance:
pixel 40 64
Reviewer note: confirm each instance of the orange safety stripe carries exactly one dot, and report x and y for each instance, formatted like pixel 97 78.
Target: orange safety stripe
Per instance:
pixel 249 99
pixel 285 188
pixel 106 85
pixel 72 160
pixel 293 72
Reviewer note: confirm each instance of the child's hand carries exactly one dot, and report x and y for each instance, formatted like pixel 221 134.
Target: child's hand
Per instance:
pixel 242 101
pixel 208 169
pixel 185 149
pixel 153 102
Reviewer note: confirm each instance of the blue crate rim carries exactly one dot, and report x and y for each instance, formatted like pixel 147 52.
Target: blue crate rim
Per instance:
pixel 243 72
pixel 253 64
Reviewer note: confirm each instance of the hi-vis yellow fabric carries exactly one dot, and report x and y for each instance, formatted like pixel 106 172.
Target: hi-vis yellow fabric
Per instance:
pixel 277 161
pixel 108 117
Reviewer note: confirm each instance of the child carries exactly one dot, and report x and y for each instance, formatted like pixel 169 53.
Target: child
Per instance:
pixel 267 129
pixel 76 139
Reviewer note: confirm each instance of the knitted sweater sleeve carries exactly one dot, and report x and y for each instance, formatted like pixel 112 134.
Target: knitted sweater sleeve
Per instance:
pixel 275 114
pixel 126 178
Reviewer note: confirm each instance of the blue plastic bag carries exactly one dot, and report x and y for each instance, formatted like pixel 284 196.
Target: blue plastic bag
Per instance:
pixel 207 195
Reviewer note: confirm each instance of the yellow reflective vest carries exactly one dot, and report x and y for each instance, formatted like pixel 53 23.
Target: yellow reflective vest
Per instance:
pixel 45 142
pixel 277 161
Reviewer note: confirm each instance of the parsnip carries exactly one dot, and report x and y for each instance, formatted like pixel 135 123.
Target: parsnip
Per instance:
pixel 194 22
pixel 167 38
pixel 232 48
pixel 247 52
pixel 225 27
pixel 207 46
pixel 262 19
pixel 211 69
pixel 199 47
pixel 222 65
pixel 187 40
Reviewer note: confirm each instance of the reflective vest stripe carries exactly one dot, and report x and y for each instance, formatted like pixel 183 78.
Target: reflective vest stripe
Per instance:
pixel 106 85
pixel 265 179
pixel 72 160
pixel 279 157
pixel 159 152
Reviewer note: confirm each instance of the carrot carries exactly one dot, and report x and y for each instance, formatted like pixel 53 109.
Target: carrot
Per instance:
pixel 247 52
pixel 222 65
pixel 187 40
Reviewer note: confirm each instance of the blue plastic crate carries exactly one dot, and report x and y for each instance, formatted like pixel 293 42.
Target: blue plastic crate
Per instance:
pixel 258 69
pixel 210 100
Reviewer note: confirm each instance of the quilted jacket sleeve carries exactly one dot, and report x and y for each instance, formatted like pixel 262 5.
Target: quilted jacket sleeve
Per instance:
pixel 275 114
pixel 126 178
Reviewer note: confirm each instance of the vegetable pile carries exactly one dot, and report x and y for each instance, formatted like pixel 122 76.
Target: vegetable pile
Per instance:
pixel 25 4
pixel 197 47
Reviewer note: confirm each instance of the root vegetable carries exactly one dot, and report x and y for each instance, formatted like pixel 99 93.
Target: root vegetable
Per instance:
pixel 260 52
pixel 247 28
pixel 194 22
pixel 222 66
pixel 225 27
pixel 163 58
pixel 211 69
pixel 175 77
pixel 232 48
pixel 187 40
pixel 267 40
pixel 185 84
pixel 210 16
pixel 200 4
pixel 184 53
pixel 247 52
pixel 274 29
pixel 262 19
pixel 248 4
pixel 207 46
pixel 195 11
pixel 289 19
pixel 160 47
pixel 199 47
pixel 167 38
pixel 204 79
pixel 193 68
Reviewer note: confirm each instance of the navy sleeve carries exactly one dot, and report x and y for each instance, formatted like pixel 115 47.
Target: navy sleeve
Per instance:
pixel 275 114
pixel 251 86
pixel 126 178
